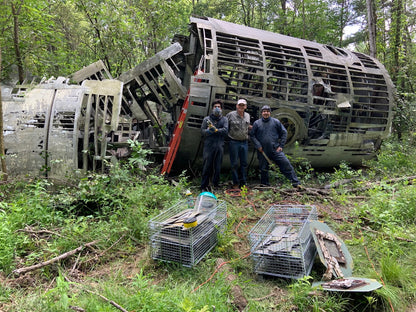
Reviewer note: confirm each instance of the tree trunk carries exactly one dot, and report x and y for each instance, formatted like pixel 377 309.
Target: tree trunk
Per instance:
pixel 2 153
pixel 303 20
pixel 246 13
pixel 341 23
pixel 284 13
pixel 371 22
pixel 396 35
pixel 16 12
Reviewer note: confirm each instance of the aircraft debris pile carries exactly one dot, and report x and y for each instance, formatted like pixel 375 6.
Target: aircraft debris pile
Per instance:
pixel 336 104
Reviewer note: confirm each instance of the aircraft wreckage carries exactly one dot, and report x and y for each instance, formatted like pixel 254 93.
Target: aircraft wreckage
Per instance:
pixel 336 104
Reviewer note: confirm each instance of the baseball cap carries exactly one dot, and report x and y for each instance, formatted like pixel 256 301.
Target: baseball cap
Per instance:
pixel 242 101
pixel 266 107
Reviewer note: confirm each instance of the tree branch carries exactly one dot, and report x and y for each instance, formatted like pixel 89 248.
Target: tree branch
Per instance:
pixel 53 260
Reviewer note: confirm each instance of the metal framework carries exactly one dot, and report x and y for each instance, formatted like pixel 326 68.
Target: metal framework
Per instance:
pixel 281 242
pixel 173 242
pixel 336 104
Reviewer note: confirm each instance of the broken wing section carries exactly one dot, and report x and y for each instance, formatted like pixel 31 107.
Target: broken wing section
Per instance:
pixel 152 89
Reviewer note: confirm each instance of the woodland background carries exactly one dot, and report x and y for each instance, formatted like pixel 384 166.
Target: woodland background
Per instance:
pixel 47 38
pixel 59 37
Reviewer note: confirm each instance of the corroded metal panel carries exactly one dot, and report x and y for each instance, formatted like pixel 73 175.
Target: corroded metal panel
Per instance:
pixel 94 71
pixel 62 136
pixel 156 80
pixel 25 132
pixel 100 119
pixel 39 131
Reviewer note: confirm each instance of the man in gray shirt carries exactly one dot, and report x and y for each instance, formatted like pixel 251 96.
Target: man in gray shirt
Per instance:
pixel 238 127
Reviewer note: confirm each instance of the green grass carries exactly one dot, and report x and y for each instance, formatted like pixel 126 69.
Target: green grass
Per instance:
pixel 114 210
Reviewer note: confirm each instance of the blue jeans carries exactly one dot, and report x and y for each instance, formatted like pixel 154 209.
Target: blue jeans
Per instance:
pixel 280 159
pixel 238 150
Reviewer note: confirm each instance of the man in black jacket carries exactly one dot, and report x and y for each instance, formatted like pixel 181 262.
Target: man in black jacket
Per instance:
pixel 269 137
pixel 214 129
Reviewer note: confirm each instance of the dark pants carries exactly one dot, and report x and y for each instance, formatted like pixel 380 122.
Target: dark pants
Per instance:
pixel 212 156
pixel 280 159
pixel 238 150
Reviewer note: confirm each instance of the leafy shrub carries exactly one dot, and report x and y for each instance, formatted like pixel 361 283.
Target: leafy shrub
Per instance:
pixel 388 210
pixel 395 159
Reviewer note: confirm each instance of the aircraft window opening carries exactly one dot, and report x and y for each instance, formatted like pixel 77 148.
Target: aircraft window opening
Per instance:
pixel 334 50
pixel 64 120
pixel 342 52
pixel 313 52
pixel 38 121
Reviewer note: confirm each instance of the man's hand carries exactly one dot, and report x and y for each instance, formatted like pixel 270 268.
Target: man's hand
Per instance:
pixel 260 149
pixel 213 129
pixel 279 149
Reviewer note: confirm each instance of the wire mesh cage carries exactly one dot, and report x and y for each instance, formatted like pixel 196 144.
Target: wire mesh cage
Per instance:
pixel 173 240
pixel 281 242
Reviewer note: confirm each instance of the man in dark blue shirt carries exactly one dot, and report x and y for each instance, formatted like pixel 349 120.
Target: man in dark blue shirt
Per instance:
pixel 269 137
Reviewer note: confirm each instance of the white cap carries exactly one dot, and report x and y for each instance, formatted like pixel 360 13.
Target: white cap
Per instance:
pixel 242 101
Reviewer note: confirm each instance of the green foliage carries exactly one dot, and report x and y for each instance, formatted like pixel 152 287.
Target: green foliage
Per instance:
pixel 344 171
pixel 114 209
pixel 138 155
pixel 389 211
pixel 395 159
pixel 304 170
pixel 404 122
pixel 141 293
pixel 303 300
pixel 100 206
pixel 30 205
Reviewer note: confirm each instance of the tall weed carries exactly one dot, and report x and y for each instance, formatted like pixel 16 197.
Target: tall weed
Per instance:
pixel 396 158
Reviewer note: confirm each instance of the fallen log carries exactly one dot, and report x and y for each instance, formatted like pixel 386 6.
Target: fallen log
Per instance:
pixel 53 260
pixel 409 179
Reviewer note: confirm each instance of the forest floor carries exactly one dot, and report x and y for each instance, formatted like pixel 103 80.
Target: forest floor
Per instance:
pixel 245 208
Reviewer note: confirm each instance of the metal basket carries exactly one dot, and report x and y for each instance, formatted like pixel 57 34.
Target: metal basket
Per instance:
pixel 172 241
pixel 281 242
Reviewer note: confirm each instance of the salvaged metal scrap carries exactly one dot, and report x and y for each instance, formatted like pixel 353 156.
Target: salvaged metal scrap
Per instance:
pixel 336 104
pixel 349 284
pixel 186 235
pixel 154 82
pixel 94 71
pixel 344 283
pixel 281 241
pixel 335 256
pixel 100 122
pixel 40 131
pixel 58 127
pixel 332 251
